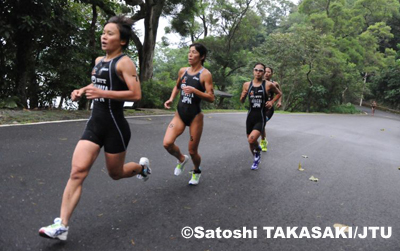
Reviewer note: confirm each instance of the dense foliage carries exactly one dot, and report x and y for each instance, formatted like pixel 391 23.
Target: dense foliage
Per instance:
pixel 325 53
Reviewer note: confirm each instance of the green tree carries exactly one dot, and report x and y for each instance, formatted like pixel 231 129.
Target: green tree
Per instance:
pixel 40 36
pixel 32 26
pixel 385 87
pixel 150 11
pixel 231 50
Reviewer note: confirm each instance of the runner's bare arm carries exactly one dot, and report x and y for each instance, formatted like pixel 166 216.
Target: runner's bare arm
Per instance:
pixel 245 89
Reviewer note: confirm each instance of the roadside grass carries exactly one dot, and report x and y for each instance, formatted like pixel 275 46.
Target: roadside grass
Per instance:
pixel 343 109
pixel 17 116
pixel 13 116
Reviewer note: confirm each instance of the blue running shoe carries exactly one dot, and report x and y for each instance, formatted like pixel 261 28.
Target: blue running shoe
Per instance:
pixel 257 160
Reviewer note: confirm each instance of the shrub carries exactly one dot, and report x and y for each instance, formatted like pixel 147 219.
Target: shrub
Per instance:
pixel 155 93
pixel 344 109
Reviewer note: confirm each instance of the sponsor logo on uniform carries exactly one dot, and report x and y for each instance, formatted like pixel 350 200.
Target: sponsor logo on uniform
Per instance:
pixel 196 78
pixel 186 98
pixel 102 87
pixel 100 80
pixel 103 69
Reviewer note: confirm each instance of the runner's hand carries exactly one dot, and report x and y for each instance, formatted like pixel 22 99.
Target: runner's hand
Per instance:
pixel 76 95
pixel 269 104
pixel 188 89
pixel 168 104
pixel 93 92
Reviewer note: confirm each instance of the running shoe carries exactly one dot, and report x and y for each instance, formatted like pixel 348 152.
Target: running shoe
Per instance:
pixel 263 145
pixel 55 231
pixel 195 179
pixel 181 166
pixel 257 160
pixel 144 175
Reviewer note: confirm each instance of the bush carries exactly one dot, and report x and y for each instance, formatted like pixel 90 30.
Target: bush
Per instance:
pixel 344 109
pixel 155 93
pixel 10 103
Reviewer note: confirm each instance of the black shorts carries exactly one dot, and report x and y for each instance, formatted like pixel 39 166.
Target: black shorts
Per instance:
pixel 268 115
pixel 188 113
pixel 255 121
pixel 110 130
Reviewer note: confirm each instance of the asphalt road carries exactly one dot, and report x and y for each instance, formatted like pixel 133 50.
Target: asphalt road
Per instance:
pixel 355 157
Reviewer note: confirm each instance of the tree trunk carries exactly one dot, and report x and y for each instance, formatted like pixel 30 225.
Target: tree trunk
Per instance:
pixel 83 102
pixel 286 102
pixel 22 63
pixel 153 13
pixel 362 93
pixel 221 101
pixel 146 50
pixel 343 95
pixel 92 41
pixel 33 92
pixel 310 65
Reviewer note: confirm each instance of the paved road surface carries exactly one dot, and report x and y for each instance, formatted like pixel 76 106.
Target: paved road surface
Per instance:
pixel 355 157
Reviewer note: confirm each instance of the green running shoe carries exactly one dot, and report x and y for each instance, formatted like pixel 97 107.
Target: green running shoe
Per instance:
pixel 264 144
pixel 195 179
pixel 181 166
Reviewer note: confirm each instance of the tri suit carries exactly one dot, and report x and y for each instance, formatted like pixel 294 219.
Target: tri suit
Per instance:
pixel 107 125
pixel 258 114
pixel 269 112
pixel 189 104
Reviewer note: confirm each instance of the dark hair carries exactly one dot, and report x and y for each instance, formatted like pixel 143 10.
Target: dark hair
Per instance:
pixel 201 49
pixel 263 65
pixel 124 25
pixel 272 71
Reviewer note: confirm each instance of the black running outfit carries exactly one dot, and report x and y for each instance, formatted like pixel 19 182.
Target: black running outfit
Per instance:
pixel 269 112
pixel 189 104
pixel 258 114
pixel 107 125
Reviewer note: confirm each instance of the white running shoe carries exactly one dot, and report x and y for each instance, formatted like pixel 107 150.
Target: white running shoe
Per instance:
pixel 181 166
pixel 55 231
pixel 144 175
pixel 195 179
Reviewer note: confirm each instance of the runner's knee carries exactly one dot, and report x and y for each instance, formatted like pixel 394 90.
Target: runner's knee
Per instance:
pixel 115 175
pixel 79 172
pixel 115 170
pixel 252 140
pixel 193 152
pixel 168 145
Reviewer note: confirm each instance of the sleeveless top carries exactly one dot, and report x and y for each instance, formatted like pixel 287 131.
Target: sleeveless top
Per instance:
pixel 191 99
pixel 257 97
pixel 105 77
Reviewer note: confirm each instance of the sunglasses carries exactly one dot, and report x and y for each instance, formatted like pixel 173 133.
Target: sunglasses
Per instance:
pixel 259 70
